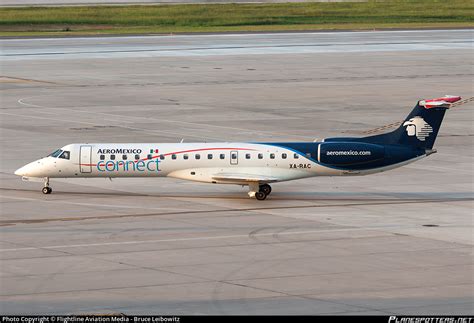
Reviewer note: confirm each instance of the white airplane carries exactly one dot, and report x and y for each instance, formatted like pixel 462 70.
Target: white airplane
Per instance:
pixel 255 165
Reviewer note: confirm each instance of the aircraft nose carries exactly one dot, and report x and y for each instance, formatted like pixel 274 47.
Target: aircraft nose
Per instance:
pixel 20 171
pixel 30 170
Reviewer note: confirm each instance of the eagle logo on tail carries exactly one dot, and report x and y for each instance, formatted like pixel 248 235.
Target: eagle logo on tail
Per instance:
pixel 418 127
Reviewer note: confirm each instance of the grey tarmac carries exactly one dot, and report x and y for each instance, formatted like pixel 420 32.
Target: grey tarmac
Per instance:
pixel 399 242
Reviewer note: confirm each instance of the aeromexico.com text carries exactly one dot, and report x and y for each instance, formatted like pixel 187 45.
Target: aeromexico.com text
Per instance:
pixel 349 153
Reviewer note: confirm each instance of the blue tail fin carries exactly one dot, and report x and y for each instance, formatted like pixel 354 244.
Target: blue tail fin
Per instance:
pixel 420 128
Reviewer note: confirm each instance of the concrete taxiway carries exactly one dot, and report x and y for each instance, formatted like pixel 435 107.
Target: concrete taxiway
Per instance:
pixel 399 242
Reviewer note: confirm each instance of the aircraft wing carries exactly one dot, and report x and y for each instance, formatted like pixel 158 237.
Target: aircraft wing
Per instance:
pixel 243 178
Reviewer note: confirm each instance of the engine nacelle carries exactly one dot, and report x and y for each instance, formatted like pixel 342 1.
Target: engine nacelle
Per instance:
pixel 349 153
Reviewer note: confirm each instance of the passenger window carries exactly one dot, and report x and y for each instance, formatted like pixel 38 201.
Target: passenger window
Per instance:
pixel 112 157
pixel 124 157
pixel 222 156
pixel 137 157
pixel 296 156
pixel 233 156
pixel 209 156
pixel 197 156
pixel 308 155
pixel 247 156
pixel 272 156
pixel 102 157
pixel 283 156
pixel 185 156
pixel 149 156
pixel 260 156
pixel 173 156
pixel 162 157
pixel 64 155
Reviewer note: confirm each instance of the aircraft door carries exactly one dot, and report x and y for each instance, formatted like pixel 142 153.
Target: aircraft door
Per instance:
pixel 85 159
pixel 234 157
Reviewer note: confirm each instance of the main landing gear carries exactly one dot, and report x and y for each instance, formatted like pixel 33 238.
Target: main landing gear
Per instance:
pixel 266 189
pixel 260 192
pixel 46 189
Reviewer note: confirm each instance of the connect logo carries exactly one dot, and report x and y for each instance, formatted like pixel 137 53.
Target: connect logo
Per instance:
pixel 129 166
pixel 418 127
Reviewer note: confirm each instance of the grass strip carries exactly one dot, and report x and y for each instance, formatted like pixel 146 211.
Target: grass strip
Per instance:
pixel 235 17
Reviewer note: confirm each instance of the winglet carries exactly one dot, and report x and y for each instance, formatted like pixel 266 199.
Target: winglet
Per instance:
pixel 444 102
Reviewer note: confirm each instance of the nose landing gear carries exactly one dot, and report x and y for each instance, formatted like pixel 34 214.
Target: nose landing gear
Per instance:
pixel 46 189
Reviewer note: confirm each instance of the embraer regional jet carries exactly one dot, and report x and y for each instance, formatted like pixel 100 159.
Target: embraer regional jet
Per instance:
pixel 255 165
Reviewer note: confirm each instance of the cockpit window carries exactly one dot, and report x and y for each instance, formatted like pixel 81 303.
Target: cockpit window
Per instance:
pixel 65 155
pixel 55 154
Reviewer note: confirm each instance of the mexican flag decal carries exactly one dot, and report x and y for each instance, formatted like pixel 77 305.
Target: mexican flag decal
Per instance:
pixel 154 151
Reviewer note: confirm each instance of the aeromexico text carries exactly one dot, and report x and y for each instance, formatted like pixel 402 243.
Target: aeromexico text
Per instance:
pixel 119 151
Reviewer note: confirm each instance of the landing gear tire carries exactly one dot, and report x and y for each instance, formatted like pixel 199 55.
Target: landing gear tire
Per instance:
pixel 260 196
pixel 265 189
pixel 47 190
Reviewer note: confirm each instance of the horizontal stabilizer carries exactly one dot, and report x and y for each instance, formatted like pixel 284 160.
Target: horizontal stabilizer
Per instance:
pixel 444 102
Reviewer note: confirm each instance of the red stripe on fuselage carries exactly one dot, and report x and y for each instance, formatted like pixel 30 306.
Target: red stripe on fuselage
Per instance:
pixel 176 153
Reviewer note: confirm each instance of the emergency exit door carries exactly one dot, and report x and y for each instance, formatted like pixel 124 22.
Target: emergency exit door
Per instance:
pixel 85 159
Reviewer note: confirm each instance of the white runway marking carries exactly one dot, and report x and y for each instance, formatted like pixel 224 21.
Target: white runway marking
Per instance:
pixel 28 104
pixel 246 35
pixel 101 124
pixel 115 206
pixel 236 44
pixel 178 239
